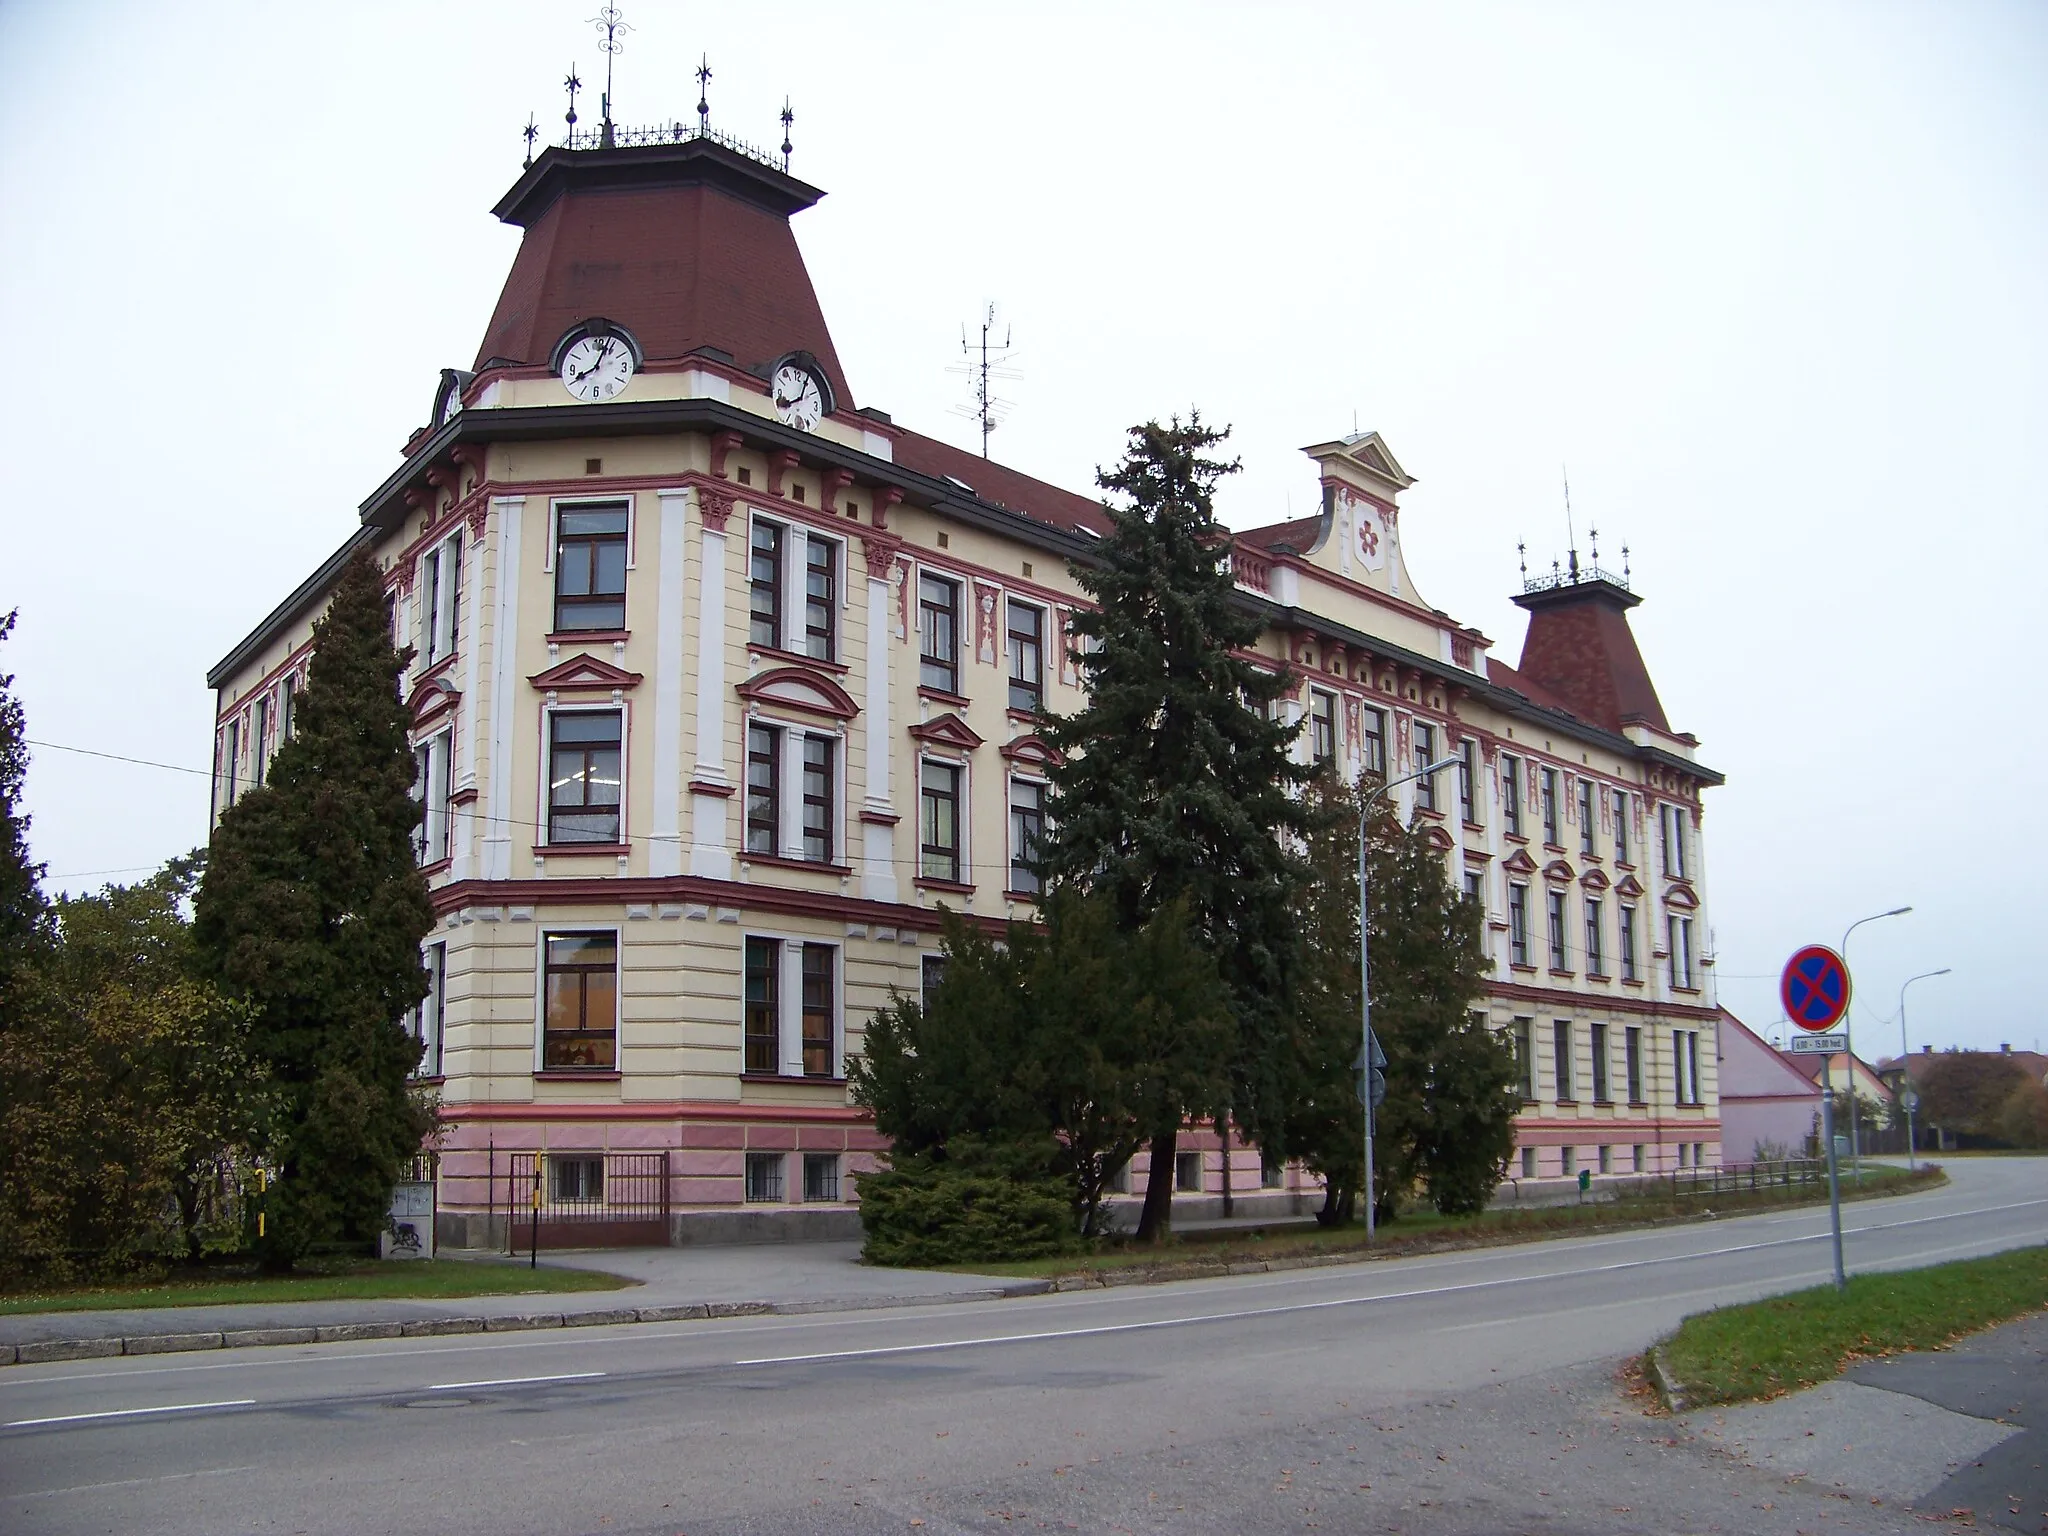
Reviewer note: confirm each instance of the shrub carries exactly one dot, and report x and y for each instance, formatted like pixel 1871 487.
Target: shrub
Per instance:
pixel 977 1204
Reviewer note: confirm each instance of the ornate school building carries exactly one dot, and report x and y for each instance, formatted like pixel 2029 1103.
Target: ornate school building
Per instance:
pixel 724 681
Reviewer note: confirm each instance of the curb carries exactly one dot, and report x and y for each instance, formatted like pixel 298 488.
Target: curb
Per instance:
pixel 48 1351
pixel 1669 1387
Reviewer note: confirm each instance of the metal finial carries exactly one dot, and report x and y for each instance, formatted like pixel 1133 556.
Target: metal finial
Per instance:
pixel 1522 558
pixel 788 117
pixel 1624 563
pixel 532 133
pixel 572 85
pixel 1594 534
pixel 609 21
pixel 704 94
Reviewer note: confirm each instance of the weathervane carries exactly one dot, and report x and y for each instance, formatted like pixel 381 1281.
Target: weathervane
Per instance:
pixel 609 19
pixel 1522 555
pixel 572 85
pixel 532 133
pixel 788 117
pixel 704 95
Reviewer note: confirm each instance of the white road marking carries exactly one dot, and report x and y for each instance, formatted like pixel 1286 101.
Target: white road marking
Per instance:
pixel 133 1482
pixel 128 1413
pixel 515 1381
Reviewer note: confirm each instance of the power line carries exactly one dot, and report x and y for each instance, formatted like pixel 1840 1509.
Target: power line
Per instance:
pixel 116 757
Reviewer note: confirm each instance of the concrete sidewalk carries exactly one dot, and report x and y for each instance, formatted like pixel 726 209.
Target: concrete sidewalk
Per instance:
pixel 673 1283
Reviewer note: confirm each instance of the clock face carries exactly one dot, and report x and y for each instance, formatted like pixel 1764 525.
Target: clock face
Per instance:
pixel 451 404
pixel 597 367
pixel 798 400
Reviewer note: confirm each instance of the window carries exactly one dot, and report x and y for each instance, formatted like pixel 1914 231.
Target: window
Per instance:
pixel 931 975
pixel 1475 889
pixel 1120 1181
pixel 580 1025
pixel 258 742
pixel 1680 935
pixel 234 751
pixel 583 776
pixel 1560 948
pixel 1425 754
pixel 288 708
pixel 1598 1039
pixel 1570 1156
pixel 1528 1162
pixel 1672 817
pixel 764 789
pixel 430 788
pixel 1511 794
pixel 764 569
pixel 763 1007
pixel 821 1176
pixel 1628 944
pixel 1027 656
pixel 424 1022
pixel 1621 826
pixel 1586 816
pixel 1595 965
pixel 1372 726
pixel 764 1177
pixel 1561 1059
pixel 939 822
pixel 590 568
pixel 1550 806
pixel 938 633
pixel 1607 1159
pixel 1187 1173
pixel 821 613
pixel 1681 1154
pixel 441 600
pixel 1272 1174
pixel 1692 1067
pixel 1027 827
pixel 820 796
pixel 1322 726
pixel 818 962
pixel 1518 924
pixel 1632 1063
pixel 1635 1157
pixel 1521 1036
pixel 1680 1093
pixel 1468 780
pixel 576 1180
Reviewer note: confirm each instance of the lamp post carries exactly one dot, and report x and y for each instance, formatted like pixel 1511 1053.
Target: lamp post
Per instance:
pixel 1848 1030
pixel 1365 973
pixel 1907 1096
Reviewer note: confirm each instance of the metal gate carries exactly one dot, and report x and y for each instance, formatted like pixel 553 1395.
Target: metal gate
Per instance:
pixel 571 1199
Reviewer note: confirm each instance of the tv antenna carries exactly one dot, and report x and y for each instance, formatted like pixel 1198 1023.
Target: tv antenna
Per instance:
pixel 992 362
pixel 1571 538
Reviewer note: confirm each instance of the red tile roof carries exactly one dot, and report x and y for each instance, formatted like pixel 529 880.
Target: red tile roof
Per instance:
pixel 995 482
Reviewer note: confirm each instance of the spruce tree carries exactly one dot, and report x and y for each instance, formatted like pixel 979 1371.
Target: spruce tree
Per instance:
pixel 24 915
pixel 312 910
pixel 1177 785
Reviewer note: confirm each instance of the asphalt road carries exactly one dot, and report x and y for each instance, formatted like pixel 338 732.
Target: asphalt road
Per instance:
pixel 1463 1393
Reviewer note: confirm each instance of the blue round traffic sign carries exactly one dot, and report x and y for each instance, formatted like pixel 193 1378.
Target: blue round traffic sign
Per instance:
pixel 1815 988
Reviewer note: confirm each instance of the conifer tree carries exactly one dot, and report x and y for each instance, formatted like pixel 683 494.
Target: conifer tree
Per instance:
pixel 24 915
pixel 1177 785
pixel 312 910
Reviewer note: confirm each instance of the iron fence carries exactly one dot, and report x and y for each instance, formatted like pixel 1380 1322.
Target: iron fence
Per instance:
pixel 1734 1178
pixel 572 1199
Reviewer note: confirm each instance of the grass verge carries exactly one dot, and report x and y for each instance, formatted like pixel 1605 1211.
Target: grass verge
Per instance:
pixel 1767 1348
pixel 1215 1251
pixel 317 1280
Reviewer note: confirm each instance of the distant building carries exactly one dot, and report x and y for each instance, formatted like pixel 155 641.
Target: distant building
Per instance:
pixel 723 683
pixel 1766 1100
pixel 1894 1070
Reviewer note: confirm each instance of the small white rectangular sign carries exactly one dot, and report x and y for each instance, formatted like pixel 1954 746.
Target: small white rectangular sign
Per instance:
pixel 1819 1045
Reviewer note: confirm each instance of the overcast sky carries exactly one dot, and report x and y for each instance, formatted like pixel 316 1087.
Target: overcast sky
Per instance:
pixel 1769 280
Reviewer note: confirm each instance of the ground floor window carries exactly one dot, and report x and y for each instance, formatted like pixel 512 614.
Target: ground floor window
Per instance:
pixel 1187 1172
pixel 1635 1157
pixel 1607 1159
pixel 815 1004
pixel 581 985
pixel 1271 1174
pixel 1571 1161
pixel 763 1010
pixel 821 1175
pixel 764 1177
pixel 576 1179
pixel 1528 1162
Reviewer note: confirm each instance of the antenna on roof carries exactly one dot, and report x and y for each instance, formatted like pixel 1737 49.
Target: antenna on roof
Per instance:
pixel 704 95
pixel 1571 538
pixel 609 19
pixel 788 117
pixel 987 409
pixel 572 85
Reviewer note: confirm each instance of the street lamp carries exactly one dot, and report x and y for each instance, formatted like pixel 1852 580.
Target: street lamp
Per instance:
pixel 1907 1096
pixel 1364 974
pixel 1849 1036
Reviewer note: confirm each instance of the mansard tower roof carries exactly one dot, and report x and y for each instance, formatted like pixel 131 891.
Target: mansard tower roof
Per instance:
pixel 687 245
pixel 1580 649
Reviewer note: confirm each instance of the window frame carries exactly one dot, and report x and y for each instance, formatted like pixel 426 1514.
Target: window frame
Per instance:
pixel 1632 1062
pixel 774 559
pixel 794 963
pixel 549 715
pixel 826 801
pixel 1559 934
pixel 1518 924
pixel 1626 935
pixel 440 579
pixel 559 513
pixel 1674 818
pixel 1587 848
pixel 1596 1041
pixel 1522 1044
pixel 1563 1045
pixel 1511 795
pixel 749 1035
pixel 1620 802
pixel 821 643
pixel 818 1161
pixel 762 797
pixel 778 1182
pixel 426 1021
pixel 957 799
pixel 1023 880
pixel 932 667
pixel 1372 740
pixel 1422 746
pixel 1596 922
pixel 1030 689
pixel 1677 928
pixel 1468 781
pixel 1552 828
pixel 1322 726
pixel 434 759
pixel 547 969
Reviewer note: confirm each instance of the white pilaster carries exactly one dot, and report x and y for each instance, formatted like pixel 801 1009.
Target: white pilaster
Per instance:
pixel 789 1027
pixel 878 838
pixel 508 513
pixel 710 852
pixel 665 848
pixel 469 642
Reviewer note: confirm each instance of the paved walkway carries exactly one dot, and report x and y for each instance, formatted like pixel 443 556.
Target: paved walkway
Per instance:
pixel 777 1277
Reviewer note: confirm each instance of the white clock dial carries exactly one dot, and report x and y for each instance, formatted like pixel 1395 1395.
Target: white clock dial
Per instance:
pixel 798 400
pixel 451 404
pixel 597 367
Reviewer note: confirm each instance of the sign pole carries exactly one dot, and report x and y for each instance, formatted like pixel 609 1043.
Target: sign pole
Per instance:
pixel 1827 1135
pixel 1815 991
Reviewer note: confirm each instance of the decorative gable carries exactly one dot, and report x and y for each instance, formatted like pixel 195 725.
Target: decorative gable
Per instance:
pixel 1557 869
pixel 948 730
pixel 800 689
pixel 1438 838
pixel 584 674
pixel 1519 863
pixel 1681 897
pixel 1594 880
pixel 432 699
pixel 1628 885
pixel 1032 752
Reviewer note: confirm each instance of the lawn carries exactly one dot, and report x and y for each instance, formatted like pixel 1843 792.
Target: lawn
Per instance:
pixel 1425 1231
pixel 317 1280
pixel 1767 1348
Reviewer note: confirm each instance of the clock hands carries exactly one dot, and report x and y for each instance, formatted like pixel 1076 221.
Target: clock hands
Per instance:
pixel 604 352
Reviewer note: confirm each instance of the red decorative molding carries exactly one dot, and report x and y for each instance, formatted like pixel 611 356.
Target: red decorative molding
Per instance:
pixel 1461 656
pixel 479 517
pixel 706 787
pixel 780 463
pixel 1680 896
pixel 1592 880
pixel 886 497
pixel 588 636
pixel 953 886
pixel 801 689
pixel 715 507
pixel 433 698
pixel 1558 869
pixel 941 696
pixel 1519 863
pixel 1441 841
pixel 1628 885
pixel 1032 751
pixel 469 460
pixel 779 861
pixel 880 818
pixel 986 650
pixel 722 445
pixel 830 484
pixel 468 796
pixel 948 730
pixel 584 674
pixel 880 550
pixel 572 850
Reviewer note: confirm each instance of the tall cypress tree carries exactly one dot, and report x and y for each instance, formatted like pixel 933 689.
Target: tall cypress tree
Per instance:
pixel 313 909
pixel 24 915
pixel 1177 783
